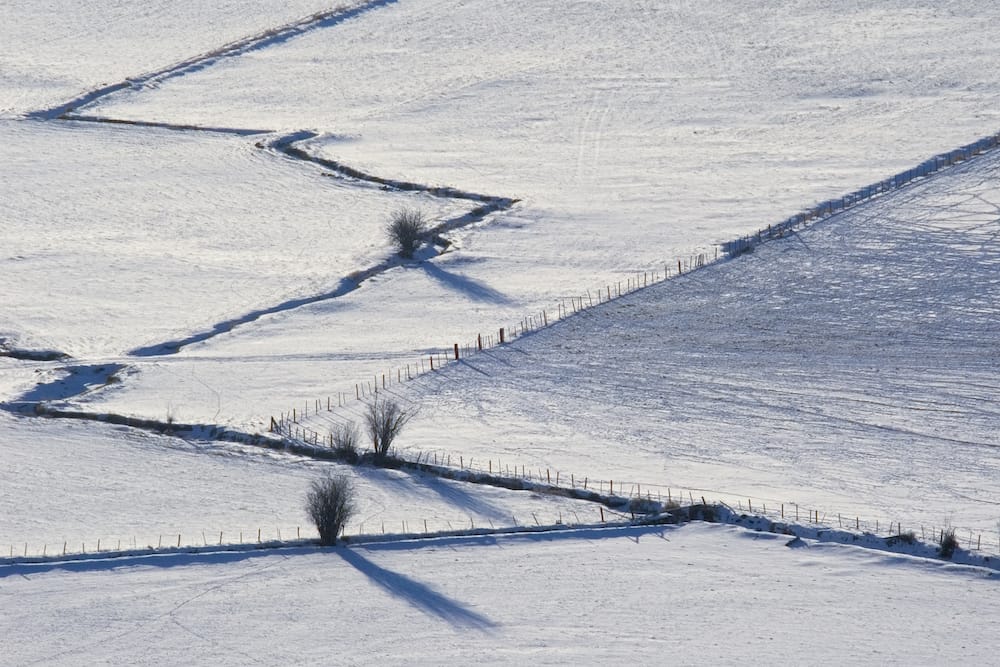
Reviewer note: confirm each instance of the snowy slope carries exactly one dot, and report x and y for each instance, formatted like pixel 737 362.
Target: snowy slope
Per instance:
pixel 77 483
pixel 53 50
pixel 631 131
pixel 118 238
pixel 850 367
pixel 699 594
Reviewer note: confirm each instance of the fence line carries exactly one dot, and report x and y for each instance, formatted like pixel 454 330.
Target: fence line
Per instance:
pixel 368 388
pixel 632 493
pixel 382 381
pixel 831 206
pixel 790 516
pixel 302 535
pixel 289 424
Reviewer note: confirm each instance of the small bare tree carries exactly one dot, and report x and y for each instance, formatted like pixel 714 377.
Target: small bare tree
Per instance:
pixel 345 441
pixel 405 228
pixel 385 419
pixel 330 503
pixel 947 543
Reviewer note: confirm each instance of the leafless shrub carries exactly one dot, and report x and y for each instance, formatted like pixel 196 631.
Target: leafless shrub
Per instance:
pixel 908 537
pixel 405 228
pixel 385 419
pixel 345 441
pixel 947 544
pixel 330 503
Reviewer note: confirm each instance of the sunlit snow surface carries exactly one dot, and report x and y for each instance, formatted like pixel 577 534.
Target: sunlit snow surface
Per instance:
pixel 852 366
pixel 631 131
pixel 694 595
pixel 53 50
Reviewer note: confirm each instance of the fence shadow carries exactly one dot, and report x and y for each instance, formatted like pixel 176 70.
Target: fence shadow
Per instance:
pixel 151 559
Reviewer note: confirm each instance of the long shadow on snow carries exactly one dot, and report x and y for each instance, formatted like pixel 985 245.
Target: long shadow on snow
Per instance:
pixel 164 560
pixel 79 380
pixel 633 533
pixel 473 289
pixel 419 595
pixel 416 483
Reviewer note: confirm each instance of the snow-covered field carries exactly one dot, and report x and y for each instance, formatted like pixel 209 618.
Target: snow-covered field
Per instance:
pixel 633 132
pixel 53 50
pixel 119 237
pixel 851 367
pixel 205 276
pixel 698 594
pixel 70 485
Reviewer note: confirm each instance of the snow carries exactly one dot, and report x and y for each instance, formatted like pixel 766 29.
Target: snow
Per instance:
pixel 77 483
pixel 145 236
pixel 53 50
pixel 632 134
pixel 690 595
pixel 205 276
pixel 850 367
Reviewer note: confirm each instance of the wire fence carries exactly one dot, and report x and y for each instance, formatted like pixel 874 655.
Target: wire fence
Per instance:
pixel 290 424
pixel 831 206
pixel 365 389
pixel 287 422
pixel 789 516
pixel 304 535
pixel 626 492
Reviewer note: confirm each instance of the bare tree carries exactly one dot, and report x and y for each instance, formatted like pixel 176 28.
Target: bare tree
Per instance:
pixel 948 543
pixel 385 419
pixel 330 503
pixel 345 441
pixel 405 228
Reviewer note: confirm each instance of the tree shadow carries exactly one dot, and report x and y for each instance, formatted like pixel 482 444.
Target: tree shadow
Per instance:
pixel 78 380
pixel 473 289
pixel 417 594
pixel 456 493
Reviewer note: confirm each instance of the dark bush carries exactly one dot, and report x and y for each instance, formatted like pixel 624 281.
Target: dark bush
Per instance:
pixel 903 538
pixel 330 504
pixel 405 229
pixel 948 544
pixel 345 441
